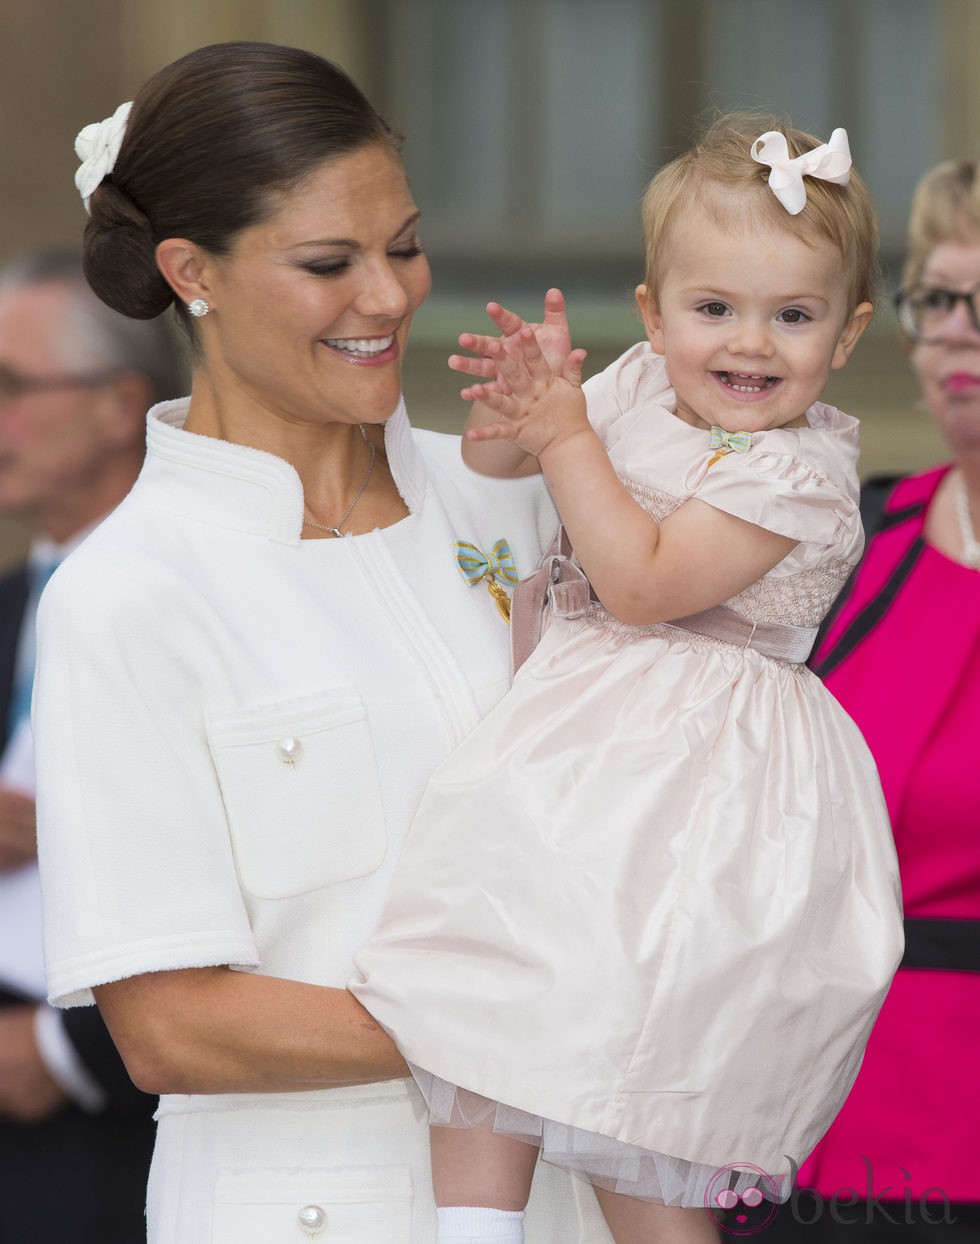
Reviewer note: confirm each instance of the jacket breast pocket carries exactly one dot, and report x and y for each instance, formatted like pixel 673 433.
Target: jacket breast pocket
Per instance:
pixel 300 787
pixel 359 1205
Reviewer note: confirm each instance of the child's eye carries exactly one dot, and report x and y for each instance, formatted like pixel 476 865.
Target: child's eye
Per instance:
pixel 713 308
pixel 793 315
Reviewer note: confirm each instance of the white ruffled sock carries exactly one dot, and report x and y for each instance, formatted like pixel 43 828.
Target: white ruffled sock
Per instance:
pixel 466 1224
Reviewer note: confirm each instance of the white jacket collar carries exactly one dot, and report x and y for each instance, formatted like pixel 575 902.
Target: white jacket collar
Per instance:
pixel 251 490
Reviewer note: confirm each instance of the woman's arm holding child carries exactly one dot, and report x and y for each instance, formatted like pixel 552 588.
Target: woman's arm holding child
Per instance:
pixel 642 571
pixel 215 1030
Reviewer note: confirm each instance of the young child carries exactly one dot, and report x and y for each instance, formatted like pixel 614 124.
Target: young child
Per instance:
pixel 649 910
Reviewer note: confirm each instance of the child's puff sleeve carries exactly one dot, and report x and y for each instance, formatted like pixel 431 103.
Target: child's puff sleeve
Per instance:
pixel 801 484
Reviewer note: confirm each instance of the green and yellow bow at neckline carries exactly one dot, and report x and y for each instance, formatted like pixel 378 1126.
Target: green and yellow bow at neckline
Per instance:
pixel 723 442
pixel 476 566
pixel 741 442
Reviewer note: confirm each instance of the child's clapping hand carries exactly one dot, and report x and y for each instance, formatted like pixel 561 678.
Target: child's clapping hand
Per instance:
pixel 552 334
pixel 536 408
pixel 529 379
pixel 496 440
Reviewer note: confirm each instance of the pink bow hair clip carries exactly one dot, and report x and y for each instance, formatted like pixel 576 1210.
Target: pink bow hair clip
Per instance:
pixel 831 161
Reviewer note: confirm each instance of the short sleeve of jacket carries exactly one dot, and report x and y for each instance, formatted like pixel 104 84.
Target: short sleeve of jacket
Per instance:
pixel 136 861
pixel 781 493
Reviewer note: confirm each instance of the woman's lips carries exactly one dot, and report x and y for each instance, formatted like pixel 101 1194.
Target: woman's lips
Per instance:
pixel 366 351
pixel 962 382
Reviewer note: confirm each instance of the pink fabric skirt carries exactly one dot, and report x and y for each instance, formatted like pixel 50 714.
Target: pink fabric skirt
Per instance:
pixel 652 897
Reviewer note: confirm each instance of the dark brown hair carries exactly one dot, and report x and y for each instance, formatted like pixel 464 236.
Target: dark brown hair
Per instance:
pixel 211 141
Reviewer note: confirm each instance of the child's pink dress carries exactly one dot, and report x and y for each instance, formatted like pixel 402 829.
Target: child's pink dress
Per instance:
pixel 651 903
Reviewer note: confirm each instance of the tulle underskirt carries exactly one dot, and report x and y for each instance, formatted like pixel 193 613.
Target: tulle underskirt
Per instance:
pixel 607 1163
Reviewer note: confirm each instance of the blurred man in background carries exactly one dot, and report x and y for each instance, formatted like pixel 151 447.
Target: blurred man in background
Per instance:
pixel 76 380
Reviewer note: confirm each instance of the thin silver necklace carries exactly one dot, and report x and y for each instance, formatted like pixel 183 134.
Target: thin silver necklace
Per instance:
pixel 971 546
pixel 338 530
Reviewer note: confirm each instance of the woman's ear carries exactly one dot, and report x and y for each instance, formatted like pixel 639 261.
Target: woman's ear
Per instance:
pixel 186 269
pixel 652 321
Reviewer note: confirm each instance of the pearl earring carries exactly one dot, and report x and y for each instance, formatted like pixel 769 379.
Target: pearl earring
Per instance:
pixel 198 307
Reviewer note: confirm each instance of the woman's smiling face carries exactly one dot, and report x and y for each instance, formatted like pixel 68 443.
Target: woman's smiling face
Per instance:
pixel 312 307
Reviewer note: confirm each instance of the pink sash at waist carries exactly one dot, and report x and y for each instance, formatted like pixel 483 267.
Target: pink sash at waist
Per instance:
pixel 559 585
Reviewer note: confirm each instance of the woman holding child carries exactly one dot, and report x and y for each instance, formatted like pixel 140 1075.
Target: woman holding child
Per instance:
pixel 248 673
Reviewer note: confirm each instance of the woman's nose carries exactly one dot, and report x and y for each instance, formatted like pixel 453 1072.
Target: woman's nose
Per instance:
pixel 382 292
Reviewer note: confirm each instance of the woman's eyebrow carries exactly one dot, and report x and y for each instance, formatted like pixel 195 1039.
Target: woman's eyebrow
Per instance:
pixel 352 243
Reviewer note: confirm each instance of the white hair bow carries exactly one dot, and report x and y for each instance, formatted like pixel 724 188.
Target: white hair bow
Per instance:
pixel 97 146
pixel 830 161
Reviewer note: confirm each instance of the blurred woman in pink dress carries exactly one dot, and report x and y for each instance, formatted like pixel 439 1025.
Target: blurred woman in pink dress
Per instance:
pixel 902 655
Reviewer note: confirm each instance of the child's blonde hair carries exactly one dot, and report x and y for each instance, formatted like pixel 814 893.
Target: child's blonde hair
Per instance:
pixel 945 208
pixel 841 215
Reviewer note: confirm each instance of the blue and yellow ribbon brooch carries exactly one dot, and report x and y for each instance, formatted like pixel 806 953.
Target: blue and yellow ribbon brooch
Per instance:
pixel 476 566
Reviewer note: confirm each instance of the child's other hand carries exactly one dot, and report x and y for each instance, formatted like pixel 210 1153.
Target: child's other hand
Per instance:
pixel 552 334
pixel 536 407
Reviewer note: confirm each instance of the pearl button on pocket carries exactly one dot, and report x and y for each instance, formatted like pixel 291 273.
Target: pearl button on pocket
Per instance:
pixel 312 1218
pixel 288 749
pixel 287 1205
pixel 295 777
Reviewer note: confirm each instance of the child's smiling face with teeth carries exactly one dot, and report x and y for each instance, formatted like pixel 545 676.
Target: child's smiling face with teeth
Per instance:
pixel 752 321
pixel 746 383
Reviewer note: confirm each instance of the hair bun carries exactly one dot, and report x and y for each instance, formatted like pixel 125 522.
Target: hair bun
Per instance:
pixel 120 262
